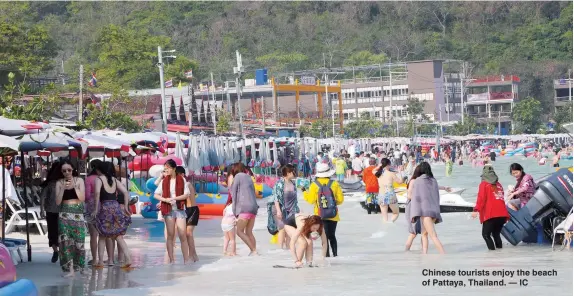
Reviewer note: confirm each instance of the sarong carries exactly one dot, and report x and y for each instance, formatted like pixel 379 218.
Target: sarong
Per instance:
pixel 111 220
pixel 72 236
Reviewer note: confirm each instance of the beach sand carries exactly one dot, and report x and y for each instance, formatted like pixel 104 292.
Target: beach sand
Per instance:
pixel 371 258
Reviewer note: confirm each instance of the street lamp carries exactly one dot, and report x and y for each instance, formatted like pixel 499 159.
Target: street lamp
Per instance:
pixel 162 85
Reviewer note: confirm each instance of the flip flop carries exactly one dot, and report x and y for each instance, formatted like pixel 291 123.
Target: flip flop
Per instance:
pixel 127 267
pixel 98 266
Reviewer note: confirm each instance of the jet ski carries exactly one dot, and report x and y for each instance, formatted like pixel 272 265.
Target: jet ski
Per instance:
pixel 450 202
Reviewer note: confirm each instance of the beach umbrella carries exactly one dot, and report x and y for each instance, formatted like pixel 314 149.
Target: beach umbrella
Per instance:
pixel 179 147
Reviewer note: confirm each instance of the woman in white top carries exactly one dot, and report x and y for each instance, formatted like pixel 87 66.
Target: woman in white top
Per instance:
pixel 172 194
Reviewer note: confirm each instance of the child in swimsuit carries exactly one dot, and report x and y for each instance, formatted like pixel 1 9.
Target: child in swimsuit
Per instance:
pixel 228 226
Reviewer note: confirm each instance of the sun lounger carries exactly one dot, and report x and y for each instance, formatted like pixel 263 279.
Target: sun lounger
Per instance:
pixel 562 228
pixel 19 217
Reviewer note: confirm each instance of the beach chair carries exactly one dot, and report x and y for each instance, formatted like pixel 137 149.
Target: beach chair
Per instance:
pixel 562 228
pixel 19 216
pixel 17 247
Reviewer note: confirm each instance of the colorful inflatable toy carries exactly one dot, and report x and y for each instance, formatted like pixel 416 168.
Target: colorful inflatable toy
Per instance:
pixel 8 283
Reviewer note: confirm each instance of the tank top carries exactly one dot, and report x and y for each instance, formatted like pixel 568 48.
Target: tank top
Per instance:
pixel 104 195
pixel 69 194
pixel 290 198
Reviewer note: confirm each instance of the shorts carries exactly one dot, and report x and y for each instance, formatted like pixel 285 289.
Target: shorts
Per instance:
pixel 227 227
pixel 556 165
pixel 371 198
pixel 388 198
pixel 192 214
pixel 340 177
pixel 176 214
pixel 516 202
pixel 356 172
pixel 290 220
pixel 246 216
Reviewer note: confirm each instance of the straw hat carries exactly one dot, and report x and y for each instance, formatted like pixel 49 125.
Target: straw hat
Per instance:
pixel 323 170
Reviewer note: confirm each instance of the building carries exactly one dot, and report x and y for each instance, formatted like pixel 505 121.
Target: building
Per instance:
pixel 562 92
pixel 490 99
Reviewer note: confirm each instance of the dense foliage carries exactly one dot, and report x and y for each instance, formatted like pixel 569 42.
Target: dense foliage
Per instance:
pixel 118 40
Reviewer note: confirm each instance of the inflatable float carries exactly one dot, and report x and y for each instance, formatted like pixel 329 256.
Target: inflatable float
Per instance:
pixel 450 202
pixel 8 283
pixel 552 200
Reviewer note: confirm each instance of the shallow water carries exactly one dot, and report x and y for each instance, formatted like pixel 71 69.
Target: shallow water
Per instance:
pixel 371 258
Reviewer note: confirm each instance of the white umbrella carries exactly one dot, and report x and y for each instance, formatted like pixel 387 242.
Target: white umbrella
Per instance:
pixel 179 147
pixel 8 145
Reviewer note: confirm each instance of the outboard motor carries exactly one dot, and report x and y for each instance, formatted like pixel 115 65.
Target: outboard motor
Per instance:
pixel 552 198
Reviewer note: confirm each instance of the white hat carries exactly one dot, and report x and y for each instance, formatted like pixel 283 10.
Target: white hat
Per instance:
pixel 323 170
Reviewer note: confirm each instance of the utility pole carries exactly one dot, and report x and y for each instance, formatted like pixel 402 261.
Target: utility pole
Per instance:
pixel 446 92
pixel 162 85
pixel 80 101
pixel 390 93
pixel 63 75
pixel 499 122
pixel 238 71
pixel 214 106
pixel 462 77
pixel 263 112
pixel 228 97
pixel 570 85
pixel 191 94
pixel 330 101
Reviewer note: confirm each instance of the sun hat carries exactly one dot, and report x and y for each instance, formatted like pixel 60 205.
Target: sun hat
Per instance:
pixel 323 170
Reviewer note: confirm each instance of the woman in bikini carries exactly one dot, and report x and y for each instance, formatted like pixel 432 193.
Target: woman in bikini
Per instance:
pixel 192 212
pixel 299 229
pixel 387 195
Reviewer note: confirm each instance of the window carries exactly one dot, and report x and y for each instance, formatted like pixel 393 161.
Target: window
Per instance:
pixel 377 114
pixel 345 116
pixel 404 113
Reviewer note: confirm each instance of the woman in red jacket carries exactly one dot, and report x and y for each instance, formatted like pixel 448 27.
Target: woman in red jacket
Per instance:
pixel 491 207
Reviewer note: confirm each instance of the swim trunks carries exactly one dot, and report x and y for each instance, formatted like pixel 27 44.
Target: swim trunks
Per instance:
pixel 192 215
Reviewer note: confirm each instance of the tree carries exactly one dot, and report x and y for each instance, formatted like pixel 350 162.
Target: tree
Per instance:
pixel 126 58
pixel 527 116
pixel 415 107
pixel 223 121
pixel 562 116
pixel 40 108
pixel 177 68
pixel 24 50
pixel 322 128
pixel 365 57
pixel 110 114
pixel 283 61
pixel 460 129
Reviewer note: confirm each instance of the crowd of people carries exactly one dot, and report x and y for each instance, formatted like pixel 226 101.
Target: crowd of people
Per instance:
pixel 98 206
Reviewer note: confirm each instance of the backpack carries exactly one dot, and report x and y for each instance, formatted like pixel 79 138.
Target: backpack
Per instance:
pixel 326 201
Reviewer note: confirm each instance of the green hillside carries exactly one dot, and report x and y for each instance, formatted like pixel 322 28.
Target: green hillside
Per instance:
pixel 119 40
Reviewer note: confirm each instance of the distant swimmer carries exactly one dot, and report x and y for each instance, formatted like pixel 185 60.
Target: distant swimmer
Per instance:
pixel 299 229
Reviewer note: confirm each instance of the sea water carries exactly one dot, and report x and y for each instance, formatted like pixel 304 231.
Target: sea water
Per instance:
pixel 371 260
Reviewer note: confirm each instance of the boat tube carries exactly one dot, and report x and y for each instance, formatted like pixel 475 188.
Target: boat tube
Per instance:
pixel 450 202
pixel 553 198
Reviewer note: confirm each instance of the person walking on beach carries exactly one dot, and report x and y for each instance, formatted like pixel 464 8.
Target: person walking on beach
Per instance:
pixel 340 167
pixel 70 196
pixel 387 195
pixel 285 205
pixel 491 208
pixel 425 205
pixel 49 209
pixel 192 212
pixel 413 227
pixel 326 195
pixel 172 194
pixel 228 223
pixel 90 205
pixel 299 228
pixel 371 185
pixel 112 221
pixel 524 189
pixel 244 205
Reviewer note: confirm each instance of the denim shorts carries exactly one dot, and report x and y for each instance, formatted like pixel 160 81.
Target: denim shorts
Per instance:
pixel 176 214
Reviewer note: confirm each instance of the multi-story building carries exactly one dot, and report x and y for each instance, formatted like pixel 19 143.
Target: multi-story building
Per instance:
pixel 562 92
pixel 490 99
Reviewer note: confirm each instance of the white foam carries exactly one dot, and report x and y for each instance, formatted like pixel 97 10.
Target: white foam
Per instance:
pixel 379 234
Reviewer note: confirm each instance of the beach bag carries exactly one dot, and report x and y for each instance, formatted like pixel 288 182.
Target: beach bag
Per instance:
pixel 326 201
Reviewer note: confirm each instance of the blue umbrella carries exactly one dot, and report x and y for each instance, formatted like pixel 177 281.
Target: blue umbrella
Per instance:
pixel 42 141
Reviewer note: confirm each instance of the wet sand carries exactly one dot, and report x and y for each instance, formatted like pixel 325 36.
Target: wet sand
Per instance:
pixel 371 258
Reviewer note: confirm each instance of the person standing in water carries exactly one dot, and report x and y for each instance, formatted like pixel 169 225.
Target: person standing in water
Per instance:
pixel 491 207
pixel 524 189
pixel 285 203
pixel 244 205
pixel 425 206
pixel 326 195
pixel 299 229
pixel 387 195
pixel 172 194
pixel 192 212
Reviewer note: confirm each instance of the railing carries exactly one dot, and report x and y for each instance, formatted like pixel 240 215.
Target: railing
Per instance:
pixel 496 78
pixel 396 77
pixel 493 114
pixel 562 82
pixel 563 99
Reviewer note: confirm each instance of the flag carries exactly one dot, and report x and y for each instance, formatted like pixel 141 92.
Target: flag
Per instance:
pixel 93 81
pixel 189 74
pixel 179 86
pixel 169 83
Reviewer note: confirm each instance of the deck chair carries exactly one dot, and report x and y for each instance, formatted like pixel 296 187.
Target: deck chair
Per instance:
pixel 19 217
pixel 562 228
pixel 14 252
